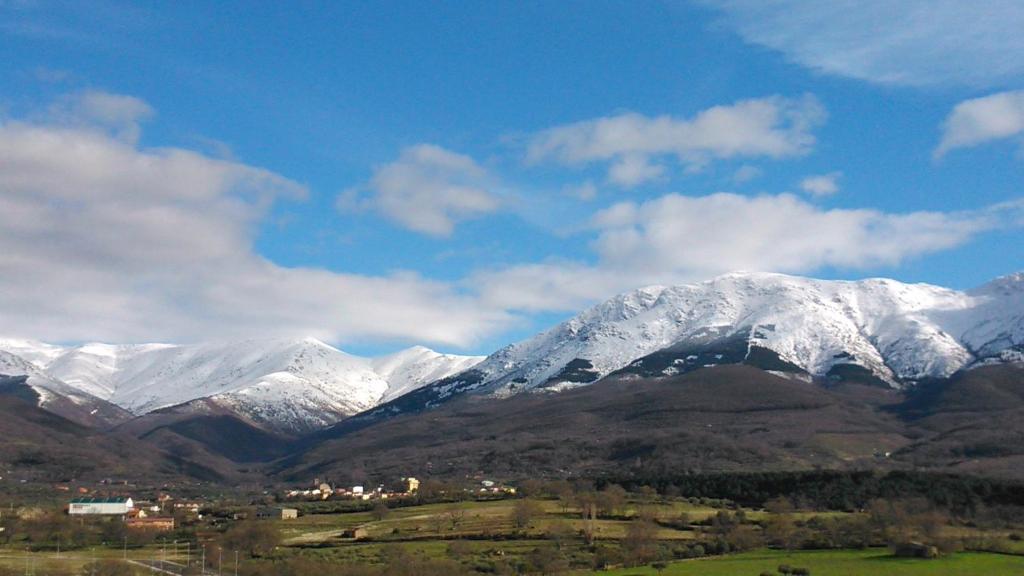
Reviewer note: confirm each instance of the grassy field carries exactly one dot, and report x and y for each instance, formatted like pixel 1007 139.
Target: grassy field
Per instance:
pixel 446 521
pixel 46 562
pixel 838 563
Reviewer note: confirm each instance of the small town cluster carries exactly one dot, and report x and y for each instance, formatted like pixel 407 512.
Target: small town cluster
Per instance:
pixel 409 487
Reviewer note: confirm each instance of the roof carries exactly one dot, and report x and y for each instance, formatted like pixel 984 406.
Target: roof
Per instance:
pixel 100 501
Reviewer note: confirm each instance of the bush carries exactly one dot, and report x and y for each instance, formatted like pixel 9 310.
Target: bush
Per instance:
pixel 785 569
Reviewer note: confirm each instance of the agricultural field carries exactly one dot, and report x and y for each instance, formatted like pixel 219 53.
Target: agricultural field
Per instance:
pixel 870 562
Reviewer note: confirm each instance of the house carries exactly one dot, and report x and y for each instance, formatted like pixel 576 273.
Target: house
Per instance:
pixel 277 513
pixel 411 485
pixel 355 533
pixel 100 506
pixel 151 524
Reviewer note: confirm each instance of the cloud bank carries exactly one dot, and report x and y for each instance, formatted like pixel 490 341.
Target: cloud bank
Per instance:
pixel 676 238
pixel 103 240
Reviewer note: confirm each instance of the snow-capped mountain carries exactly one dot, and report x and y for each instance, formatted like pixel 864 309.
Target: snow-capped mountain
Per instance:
pixel 413 367
pixel 287 385
pixel 889 331
pixel 57 396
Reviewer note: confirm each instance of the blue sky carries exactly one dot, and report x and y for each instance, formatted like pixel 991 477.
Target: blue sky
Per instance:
pixel 463 174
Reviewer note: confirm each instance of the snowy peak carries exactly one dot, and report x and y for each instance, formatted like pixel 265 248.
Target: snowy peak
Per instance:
pixel 37 353
pixel 892 331
pixel 287 385
pixel 411 368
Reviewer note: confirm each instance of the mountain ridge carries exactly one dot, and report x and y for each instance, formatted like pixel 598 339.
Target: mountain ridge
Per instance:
pixel 876 329
pixel 289 386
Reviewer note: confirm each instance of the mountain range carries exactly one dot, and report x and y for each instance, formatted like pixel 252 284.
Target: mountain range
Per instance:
pixel 742 369
pixel 285 386
pixel 877 330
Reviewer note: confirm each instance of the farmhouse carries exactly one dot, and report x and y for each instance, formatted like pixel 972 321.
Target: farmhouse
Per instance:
pixel 100 506
pixel 151 524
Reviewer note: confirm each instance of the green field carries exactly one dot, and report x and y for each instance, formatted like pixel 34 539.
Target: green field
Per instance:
pixel 873 562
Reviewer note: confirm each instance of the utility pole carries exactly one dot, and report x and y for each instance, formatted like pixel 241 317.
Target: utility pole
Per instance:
pixel 202 567
pixel 188 553
pixel 236 562
pixel 220 560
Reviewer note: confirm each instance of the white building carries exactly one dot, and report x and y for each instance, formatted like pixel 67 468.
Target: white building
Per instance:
pixel 101 506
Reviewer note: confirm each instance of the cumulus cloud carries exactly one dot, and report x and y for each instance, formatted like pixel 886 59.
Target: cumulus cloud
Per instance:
pixel 636 146
pixel 103 240
pixel 822 184
pixel 981 120
pixel 677 238
pixel 907 42
pixel 427 189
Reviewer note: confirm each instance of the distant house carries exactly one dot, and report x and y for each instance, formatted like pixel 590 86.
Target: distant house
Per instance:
pixel 355 533
pixel 277 513
pixel 151 524
pixel 411 485
pixel 100 506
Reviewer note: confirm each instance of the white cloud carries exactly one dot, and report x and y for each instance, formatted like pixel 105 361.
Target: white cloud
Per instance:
pixel 822 184
pixel 981 120
pixel 909 42
pixel 746 173
pixel 773 127
pixel 674 239
pixel 103 240
pixel 427 189
pixel 119 114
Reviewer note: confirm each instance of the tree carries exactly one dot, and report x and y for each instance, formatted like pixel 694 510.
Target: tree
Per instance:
pixel 523 513
pixel 455 514
pixel 614 499
pixel 639 543
pixel 380 511
pixel 546 560
pixel 255 539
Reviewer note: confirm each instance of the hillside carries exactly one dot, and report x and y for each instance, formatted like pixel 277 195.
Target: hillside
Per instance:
pixel 39 445
pixel 723 418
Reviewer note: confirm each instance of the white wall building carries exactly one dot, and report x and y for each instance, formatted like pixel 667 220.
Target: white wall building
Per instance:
pixel 100 506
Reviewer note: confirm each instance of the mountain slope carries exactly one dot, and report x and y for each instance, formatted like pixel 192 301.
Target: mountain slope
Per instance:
pixel 40 445
pixel 58 397
pixel 715 419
